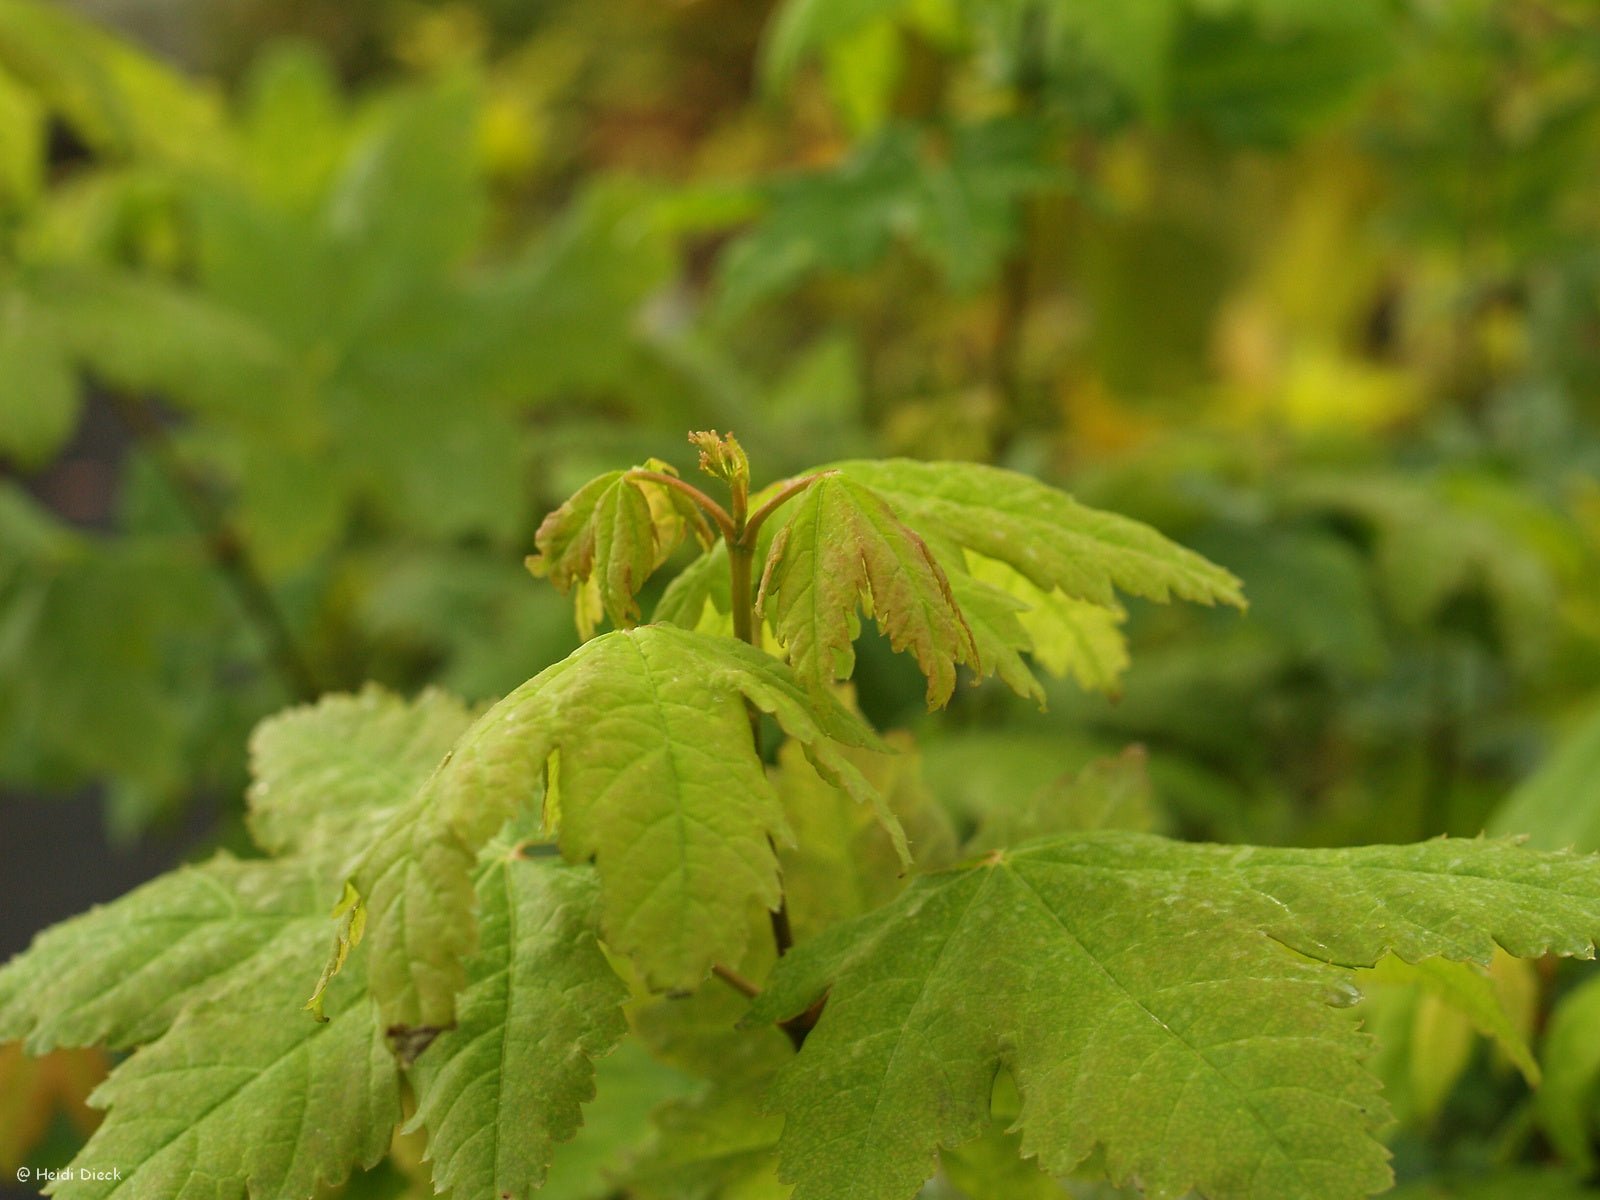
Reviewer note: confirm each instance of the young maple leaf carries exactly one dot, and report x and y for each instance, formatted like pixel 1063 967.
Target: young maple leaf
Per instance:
pixel 843 543
pixel 1044 534
pixel 659 783
pixel 609 538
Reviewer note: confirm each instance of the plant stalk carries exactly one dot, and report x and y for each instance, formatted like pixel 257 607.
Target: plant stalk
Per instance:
pixel 224 546
pixel 1015 285
pixel 741 565
pixel 741 569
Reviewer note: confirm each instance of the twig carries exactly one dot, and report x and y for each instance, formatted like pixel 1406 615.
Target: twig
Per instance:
pixel 222 543
pixel 1015 298
pixel 735 980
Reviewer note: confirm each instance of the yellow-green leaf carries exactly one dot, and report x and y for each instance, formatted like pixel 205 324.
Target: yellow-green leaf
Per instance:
pixel 1044 534
pixel 842 546
pixel 660 786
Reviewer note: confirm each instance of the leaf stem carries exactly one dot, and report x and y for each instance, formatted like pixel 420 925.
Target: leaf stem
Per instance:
pixel 786 493
pixel 782 931
pixel 223 544
pixel 725 523
pixel 735 980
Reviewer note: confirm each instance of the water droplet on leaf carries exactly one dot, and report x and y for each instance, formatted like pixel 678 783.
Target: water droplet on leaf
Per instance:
pixel 1344 995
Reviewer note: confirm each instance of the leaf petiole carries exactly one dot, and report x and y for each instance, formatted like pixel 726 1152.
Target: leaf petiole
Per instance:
pixel 715 511
pixel 784 494
pixel 736 981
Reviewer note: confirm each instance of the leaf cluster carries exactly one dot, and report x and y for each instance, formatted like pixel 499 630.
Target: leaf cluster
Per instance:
pixel 1170 1015
pixel 362 337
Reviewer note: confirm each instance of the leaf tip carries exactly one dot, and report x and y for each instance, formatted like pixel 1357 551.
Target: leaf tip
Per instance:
pixel 351 913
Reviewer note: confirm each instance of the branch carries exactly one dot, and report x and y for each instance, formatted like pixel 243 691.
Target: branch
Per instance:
pixel 1015 293
pixel 741 555
pixel 1005 357
pixel 782 931
pixel 223 544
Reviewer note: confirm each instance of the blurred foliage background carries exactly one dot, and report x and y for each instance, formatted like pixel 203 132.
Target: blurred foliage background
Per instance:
pixel 311 309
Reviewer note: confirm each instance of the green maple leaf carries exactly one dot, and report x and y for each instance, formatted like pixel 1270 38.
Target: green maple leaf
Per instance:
pixel 629 1086
pixel 1424 1015
pixel 236 1090
pixel 659 783
pixel 1566 1102
pixel 38 391
pixel 611 535
pixel 842 544
pixel 603 532
pixel 1107 793
pixel 1043 534
pixel 717 1145
pixel 1558 806
pixel 245 1096
pixel 1010 617
pixel 119 974
pixel 700 596
pixel 417 876
pixel 958 563
pixel 325 774
pixel 844 863
pixel 328 777
pixel 1174 1004
pixel 1067 636
pixel 501 1089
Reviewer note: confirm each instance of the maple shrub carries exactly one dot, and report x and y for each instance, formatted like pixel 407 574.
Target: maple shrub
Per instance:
pixel 683 844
